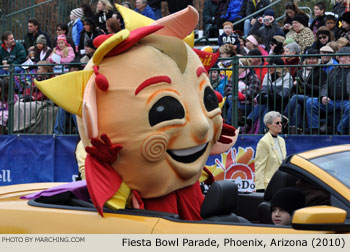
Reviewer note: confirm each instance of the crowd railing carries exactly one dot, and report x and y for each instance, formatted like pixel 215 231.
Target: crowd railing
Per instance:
pixel 24 110
pixel 306 116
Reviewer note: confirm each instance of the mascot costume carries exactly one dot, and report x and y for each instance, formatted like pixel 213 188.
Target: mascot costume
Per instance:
pixel 147 116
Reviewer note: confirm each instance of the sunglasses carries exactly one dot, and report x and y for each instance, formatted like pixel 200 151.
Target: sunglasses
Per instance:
pixel 322 37
pixel 278 123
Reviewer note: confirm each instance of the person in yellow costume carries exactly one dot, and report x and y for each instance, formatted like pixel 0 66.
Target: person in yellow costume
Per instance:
pixel 147 116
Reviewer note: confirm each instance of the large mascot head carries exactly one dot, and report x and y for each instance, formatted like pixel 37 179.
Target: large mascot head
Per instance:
pixel 148 91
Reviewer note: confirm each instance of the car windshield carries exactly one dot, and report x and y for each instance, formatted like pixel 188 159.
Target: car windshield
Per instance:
pixel 337 165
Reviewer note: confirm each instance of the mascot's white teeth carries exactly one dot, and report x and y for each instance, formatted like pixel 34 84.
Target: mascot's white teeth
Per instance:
pixel 188 151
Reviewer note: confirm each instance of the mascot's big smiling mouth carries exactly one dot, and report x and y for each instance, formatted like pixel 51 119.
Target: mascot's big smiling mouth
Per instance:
pixel 188 155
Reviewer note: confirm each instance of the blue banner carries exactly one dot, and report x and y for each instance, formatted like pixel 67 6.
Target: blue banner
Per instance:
pixel 37 158
pixel 48 158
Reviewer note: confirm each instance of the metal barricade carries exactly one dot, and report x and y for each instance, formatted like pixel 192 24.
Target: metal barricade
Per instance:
pixel 301 104
pixel 25 110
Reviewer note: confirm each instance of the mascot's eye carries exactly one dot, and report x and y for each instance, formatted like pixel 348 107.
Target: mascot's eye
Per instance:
pixel 167 108
pixel 210 99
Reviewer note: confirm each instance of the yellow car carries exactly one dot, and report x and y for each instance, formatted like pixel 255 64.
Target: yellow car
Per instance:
pixel 322 173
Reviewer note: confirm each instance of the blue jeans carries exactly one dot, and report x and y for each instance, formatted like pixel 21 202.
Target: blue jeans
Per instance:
pixel 313 106
pixel 247 27
pixel 60 123
pixel 258 113
pixel 243 109
pixel 295 110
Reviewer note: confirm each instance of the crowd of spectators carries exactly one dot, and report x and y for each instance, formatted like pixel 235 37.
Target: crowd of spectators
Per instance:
pixel 264 84
pixel 41 56
pixel 292 82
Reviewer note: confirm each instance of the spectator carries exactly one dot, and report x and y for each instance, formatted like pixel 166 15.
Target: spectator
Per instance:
pixel 63 122
pixel 292 49
pixel 210 18
pixel 156 7
pixel 275 92
pixel 288 41
pixel 88 12
pixel 33 33
pixel 270 151
pixel 112 26
pixel 333 45
pixel 339 7
pixel 90 31
pixel 232 10
pixel 11 53
pixel 258 63
pixel 284 202
pixel 248 87
pixel 320 17
pixel 291 11
pixel 332 25
pixel 243 50
pixel 345 26
pixel 104 11
pixel 307 84
pixel 276 46
pixel 127 4
pixel 252 7
pixel 4 103
pixel 89 51
pixel 143 8
pixel 268 29
pixel 217 82
pixel 334 96
pixel 342 42
pixel 327 60
pixel 174 6
pixel 44 72
pixel 41 50
pixel 76 26
pixel 119 18
pixel 323 36
pixel 252 43
pixel 62 29
pixel 228 37
pixel 300 34
pixel 227 51
pixel 63 50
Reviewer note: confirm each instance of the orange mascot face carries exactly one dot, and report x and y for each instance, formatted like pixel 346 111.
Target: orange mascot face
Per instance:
pixel 147 93
pixel 161 108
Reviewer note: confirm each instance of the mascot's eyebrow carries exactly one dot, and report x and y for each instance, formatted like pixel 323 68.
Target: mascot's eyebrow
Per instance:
pixel 201 70
pixel 151 81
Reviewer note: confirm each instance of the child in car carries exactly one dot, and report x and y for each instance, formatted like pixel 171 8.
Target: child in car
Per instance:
pixel 284 202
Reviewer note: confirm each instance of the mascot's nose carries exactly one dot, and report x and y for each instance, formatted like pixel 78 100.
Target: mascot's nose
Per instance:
pixel 200 128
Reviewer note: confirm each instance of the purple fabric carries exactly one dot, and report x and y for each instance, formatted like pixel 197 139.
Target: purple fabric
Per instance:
pixel 78 188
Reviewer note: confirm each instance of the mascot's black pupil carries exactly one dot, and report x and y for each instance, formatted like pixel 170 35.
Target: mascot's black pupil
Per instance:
pixel 210 99
pixel 165 109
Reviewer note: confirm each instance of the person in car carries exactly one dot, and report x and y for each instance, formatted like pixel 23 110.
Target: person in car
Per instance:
pixel 284 202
